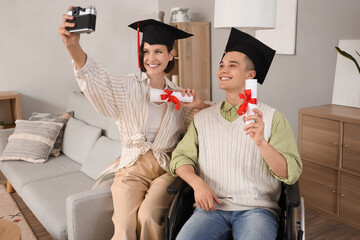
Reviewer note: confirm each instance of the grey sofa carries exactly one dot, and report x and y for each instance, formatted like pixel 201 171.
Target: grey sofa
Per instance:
pixel 59 191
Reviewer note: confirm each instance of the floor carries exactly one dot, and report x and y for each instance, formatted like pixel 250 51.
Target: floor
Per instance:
pixel 318 226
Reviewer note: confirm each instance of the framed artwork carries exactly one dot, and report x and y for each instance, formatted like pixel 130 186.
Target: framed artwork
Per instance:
pixel 283 37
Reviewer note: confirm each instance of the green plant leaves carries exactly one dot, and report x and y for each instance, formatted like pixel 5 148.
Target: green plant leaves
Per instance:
pixel 345 54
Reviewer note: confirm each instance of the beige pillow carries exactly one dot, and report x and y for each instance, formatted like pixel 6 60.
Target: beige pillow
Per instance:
pixel 31 141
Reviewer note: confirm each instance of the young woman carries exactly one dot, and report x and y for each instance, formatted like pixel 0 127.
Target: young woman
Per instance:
pixel 149 131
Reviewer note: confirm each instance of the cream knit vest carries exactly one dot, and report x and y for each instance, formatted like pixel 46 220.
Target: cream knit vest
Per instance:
pixel 231 163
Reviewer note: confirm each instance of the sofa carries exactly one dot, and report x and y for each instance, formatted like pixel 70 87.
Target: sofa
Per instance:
pixel 59 192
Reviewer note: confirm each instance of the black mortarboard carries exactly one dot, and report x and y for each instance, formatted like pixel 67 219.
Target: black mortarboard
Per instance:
pixel 155 32
pixel 260 54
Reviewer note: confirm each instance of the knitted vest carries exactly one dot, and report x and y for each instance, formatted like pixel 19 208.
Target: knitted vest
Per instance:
pixel 231 163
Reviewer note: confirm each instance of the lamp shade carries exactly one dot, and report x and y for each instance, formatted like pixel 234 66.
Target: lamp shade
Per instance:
pixel 250 14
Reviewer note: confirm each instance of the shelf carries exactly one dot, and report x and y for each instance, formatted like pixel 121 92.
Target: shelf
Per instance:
pixel 15 113
pixel 192 58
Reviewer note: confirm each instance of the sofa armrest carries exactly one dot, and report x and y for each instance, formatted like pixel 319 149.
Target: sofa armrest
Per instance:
pixel 4 135
pixel 88 215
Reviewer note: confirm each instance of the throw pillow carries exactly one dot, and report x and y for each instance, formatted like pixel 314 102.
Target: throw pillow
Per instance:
pixel 106 178
pixel 79 139
pixel 54 117
pixel 31 141
pixel 103 153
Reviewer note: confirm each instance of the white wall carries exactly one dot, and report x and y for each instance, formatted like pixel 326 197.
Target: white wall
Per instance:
pixel 34 61
pixel 294 81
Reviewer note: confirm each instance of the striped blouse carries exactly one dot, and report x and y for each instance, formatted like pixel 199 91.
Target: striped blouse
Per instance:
pixel 125 99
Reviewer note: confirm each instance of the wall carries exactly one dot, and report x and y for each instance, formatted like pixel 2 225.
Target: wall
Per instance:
pixel 294 81
pixel 34 61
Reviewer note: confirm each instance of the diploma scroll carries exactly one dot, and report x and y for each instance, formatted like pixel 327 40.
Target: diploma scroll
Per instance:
pixel 155 96
pixel 251 84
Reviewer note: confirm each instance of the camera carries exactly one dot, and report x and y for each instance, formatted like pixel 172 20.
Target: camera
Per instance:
pixel 84 19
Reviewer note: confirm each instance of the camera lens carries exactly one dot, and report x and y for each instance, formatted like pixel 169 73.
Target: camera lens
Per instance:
pixel 75 12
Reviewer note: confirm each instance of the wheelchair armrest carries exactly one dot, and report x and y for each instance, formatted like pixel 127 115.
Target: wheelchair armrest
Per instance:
pixel 175 186
pixel 292 195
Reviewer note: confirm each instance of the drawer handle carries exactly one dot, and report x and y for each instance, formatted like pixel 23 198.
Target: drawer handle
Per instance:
pixel 333 191
pixel 335 144
pixel 342 195
pixel 346 146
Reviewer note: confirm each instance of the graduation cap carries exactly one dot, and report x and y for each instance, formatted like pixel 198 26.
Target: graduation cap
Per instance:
pixel 155 32
pixel 260 54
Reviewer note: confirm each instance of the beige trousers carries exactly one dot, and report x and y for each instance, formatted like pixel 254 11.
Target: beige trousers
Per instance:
pixel 140 200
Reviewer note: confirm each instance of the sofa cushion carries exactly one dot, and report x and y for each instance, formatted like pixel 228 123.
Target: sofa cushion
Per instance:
pixel 54 117
pixel 104 152
pixel 31 141
pixel 79 139
pixel 20 173
pixel 84 111
pixel 47 200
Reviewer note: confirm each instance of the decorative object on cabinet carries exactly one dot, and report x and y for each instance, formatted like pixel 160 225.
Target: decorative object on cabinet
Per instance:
pixel 329 145
pixel 347 78
pixel 161 16
pixel 179 14
pixel 192 59
pixel 15 107
pixel 2 125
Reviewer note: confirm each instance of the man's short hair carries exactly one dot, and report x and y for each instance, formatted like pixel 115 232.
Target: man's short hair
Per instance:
pixel 249 63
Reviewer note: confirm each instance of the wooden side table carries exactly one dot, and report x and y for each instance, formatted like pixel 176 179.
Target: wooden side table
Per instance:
pixel 15 106
pixel 9 230
pixel 15 111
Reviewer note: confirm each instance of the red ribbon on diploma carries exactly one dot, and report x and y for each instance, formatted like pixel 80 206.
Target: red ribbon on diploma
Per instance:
pixel 247 99
pixel 170 98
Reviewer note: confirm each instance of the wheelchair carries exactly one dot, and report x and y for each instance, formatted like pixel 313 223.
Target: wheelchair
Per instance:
pixel 291 219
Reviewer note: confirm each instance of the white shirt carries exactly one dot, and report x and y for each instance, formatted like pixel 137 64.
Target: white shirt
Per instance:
pixel 156 113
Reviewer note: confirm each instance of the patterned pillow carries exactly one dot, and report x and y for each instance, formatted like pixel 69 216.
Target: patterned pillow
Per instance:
pixel 31 141
pixel 54 117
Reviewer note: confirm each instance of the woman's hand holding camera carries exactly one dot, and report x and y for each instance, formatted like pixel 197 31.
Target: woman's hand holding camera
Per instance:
pixel 71 41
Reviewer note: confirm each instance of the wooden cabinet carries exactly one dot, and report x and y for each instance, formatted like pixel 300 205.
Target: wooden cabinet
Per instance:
pixel 329 145
pixel 13 99
pixel 351 150
pixel 192 59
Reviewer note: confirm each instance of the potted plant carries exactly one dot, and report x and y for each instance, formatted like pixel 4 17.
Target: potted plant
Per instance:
pixel 347 55
pixel 2 125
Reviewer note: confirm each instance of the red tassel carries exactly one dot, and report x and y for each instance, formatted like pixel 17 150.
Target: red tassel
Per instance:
pixel 138 44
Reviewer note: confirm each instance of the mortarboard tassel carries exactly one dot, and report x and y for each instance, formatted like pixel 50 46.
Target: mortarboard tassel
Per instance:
pixel 138 44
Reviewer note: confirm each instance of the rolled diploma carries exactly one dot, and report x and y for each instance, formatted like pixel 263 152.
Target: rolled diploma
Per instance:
pixel 155 96
pixel 252 85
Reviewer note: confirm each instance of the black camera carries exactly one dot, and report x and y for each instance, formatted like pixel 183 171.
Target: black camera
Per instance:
pixel 84 19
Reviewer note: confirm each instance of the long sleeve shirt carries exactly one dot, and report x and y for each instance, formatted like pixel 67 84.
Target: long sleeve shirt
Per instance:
pixel 281 138
pixel 125 99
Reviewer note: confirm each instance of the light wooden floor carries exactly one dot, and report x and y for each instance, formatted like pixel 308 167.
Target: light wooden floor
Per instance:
pixel 318 226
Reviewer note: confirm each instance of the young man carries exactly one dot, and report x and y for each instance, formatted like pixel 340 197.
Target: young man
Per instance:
pixel 236 170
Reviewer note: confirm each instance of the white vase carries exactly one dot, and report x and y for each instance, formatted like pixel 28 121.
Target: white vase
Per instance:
pixel 179 14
